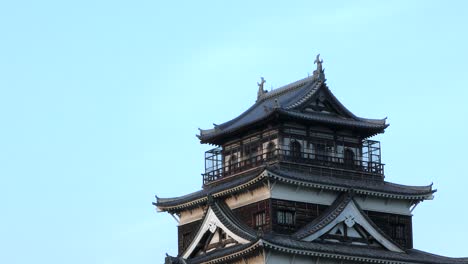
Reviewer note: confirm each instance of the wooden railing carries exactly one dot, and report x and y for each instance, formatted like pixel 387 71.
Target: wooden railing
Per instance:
pixel 324 164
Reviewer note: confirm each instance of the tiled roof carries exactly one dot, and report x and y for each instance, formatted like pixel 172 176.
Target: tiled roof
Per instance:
pixel 370 187
pixel 286 101
pixel 231 222
pixel 332 213
pixel 357 253
pixel 330 250
pixel 201 196
pixel 292 244
pixel 218 256
pixel 325 218
pixel 222 255
pixel 244 181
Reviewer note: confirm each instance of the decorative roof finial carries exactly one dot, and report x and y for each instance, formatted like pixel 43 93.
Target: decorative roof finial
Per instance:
pixel 319 72
pixel 277 104
pixel 260 88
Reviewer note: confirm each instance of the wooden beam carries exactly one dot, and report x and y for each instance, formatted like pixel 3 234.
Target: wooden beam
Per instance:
pixel 175 218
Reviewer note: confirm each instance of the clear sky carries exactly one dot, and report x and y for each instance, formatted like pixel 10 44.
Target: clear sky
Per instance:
pixel 100 102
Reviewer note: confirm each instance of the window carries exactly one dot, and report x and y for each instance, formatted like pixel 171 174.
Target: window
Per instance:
pixel 271 150
pixel 348 157
pixel 260 219
pixel 233 162
pixel 285 217
pixel 295 149
pixel 320 153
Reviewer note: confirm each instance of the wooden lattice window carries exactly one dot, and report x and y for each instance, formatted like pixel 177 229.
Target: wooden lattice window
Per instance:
pixel 296 149
pixel 348 157
pixel 285 217
pixel 260 219
pixel 233 162
pixel 271 148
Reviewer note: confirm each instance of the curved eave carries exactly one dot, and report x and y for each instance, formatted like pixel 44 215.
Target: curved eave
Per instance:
pixel 289 107
pixel 333 120
pixel 180 204
pixel 265 100
pixel 370 128
pixel 218 135
pixel 236 226
pixel 356 253
pixel 225 255
pixel 415 193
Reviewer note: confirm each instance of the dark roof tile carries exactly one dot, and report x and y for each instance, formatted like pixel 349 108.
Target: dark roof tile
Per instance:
pixel 340 184
pixel 285 101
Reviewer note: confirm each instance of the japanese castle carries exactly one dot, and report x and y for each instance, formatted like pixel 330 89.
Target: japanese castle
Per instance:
pixel 296 179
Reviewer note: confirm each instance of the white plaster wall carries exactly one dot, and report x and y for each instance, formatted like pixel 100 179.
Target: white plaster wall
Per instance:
pixel 392 206
pixel 246 198
pixel 233 202
pixel 189 216
pixel 302 194
pixel 312 195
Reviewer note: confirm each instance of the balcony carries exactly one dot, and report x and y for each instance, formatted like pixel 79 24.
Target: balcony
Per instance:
pixel 367 165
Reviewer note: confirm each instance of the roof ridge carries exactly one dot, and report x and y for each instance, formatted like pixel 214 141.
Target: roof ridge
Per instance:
pixel 326 217
pixel 306 97
pixel 286 88
pixel 264 97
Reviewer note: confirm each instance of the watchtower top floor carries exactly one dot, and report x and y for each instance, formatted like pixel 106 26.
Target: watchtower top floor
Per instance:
pixel 302 125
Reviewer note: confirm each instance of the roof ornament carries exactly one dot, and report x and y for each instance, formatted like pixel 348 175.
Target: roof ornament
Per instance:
pixel 261 91
pixel 319 73
pixel 349 221
pixel 277 104
pixel 212 226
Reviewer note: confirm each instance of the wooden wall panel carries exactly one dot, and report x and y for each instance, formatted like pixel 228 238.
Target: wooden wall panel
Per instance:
pixel 246 213
pixel 398 227
pixel 186 233
pixel 304 213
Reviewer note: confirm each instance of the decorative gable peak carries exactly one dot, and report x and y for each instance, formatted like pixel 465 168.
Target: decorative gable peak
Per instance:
pixel 219 229
pixel 284 102
pixel 346 223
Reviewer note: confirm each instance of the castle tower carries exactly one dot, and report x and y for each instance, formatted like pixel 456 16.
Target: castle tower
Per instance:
pixel 296 178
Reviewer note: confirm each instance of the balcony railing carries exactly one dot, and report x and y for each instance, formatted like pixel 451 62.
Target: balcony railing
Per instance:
pixel 325 164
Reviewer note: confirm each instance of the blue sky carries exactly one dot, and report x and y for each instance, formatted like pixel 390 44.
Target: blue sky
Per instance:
pixel 100 102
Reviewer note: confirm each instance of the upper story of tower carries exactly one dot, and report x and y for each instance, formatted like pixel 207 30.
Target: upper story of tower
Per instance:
pixel 300 125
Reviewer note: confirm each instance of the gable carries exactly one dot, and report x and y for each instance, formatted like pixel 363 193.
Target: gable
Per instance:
pixel 351 233
pixel 325 103
pixel 212 234
pixel 351 226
